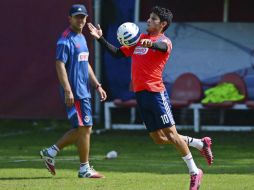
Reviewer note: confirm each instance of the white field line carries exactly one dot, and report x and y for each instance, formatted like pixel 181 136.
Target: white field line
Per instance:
pixel 105 164
pixel 58 159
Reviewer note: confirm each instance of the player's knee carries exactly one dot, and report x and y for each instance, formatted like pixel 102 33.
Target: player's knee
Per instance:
pixel 159 140
pixel 172 137
pixel 84 130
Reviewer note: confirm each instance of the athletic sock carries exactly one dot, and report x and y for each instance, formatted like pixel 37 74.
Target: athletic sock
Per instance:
pixel 191 164
pixel 53 150
pixel 83 167
pixel 196 143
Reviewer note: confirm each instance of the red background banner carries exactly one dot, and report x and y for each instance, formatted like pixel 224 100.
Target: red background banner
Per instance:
pixel 28 82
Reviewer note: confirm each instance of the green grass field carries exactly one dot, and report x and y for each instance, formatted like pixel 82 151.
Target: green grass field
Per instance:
pixel 141 165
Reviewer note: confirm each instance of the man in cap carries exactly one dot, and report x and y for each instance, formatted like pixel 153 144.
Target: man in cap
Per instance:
pixel 74 73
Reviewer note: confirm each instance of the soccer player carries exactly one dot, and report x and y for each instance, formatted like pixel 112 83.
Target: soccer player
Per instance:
pixel 74 73
pixel 149 57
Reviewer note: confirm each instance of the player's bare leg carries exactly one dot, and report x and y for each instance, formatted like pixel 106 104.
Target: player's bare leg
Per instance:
pixel 176 140
pixel 48 155
pixel 203 145
pixel 195 173
pixel 83 144
pixel 159 137
pixel 68 138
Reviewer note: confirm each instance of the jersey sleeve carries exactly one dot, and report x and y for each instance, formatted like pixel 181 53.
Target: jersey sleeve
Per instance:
pixel 168 42
pixel 62 51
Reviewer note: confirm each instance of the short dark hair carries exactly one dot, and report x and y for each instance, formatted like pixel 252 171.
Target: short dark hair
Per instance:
pixel 164 15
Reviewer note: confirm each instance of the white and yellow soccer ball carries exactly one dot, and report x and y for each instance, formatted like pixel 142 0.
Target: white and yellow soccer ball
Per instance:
pixel 128 34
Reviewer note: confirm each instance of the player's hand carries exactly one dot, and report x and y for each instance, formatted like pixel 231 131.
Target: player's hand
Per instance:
pixel 102 93
pixel 69 98
pixel 146 43
pixel 96 32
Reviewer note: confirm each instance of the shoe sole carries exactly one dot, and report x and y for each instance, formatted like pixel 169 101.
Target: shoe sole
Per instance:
pixel 96 176
pixel 208 142
pixel 93 177
pixel 200 179
pixel 47 166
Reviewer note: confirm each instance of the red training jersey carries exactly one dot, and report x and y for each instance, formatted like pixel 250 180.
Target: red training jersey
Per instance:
pixel 148 64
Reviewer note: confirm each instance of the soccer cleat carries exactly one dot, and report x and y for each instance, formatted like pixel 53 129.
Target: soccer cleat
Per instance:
pixel 90 173
pixel 196 180
pixel 206 150
pixel 48 160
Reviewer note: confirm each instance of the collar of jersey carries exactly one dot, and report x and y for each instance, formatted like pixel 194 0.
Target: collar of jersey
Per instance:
pixel 157 35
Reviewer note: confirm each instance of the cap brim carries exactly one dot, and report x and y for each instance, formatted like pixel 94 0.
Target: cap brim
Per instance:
pixel 79 13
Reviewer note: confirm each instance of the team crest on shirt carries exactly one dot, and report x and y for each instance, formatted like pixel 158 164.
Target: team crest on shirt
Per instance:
pixel 139 50
pixel 87 118
pixel 83 56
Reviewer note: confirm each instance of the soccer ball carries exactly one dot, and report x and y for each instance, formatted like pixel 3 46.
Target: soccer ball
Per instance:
pixel 128 34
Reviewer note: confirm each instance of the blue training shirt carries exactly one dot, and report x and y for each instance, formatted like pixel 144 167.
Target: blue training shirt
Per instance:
pixel 73 52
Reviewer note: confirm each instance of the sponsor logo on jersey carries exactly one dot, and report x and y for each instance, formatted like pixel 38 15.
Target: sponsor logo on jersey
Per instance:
pixel 139 50
pixel 83 56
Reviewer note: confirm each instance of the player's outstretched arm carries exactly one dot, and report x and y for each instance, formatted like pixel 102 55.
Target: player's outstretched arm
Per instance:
pixel 160 46
pixel 96 32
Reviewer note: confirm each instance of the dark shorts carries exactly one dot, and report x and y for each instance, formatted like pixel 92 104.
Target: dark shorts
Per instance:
pixel 155 110
pixel 80 114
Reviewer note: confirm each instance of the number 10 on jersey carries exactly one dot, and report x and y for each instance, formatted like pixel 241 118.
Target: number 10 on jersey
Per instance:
pixel 165 119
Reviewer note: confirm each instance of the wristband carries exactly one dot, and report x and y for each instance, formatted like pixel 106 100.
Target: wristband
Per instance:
pixel 97 86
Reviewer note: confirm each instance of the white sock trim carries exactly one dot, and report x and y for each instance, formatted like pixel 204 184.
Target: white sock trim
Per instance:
pixel 196 143
pixel 52 151
pixel 187 157
pixel 57 149
pixel 191 164
pixel 83 166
